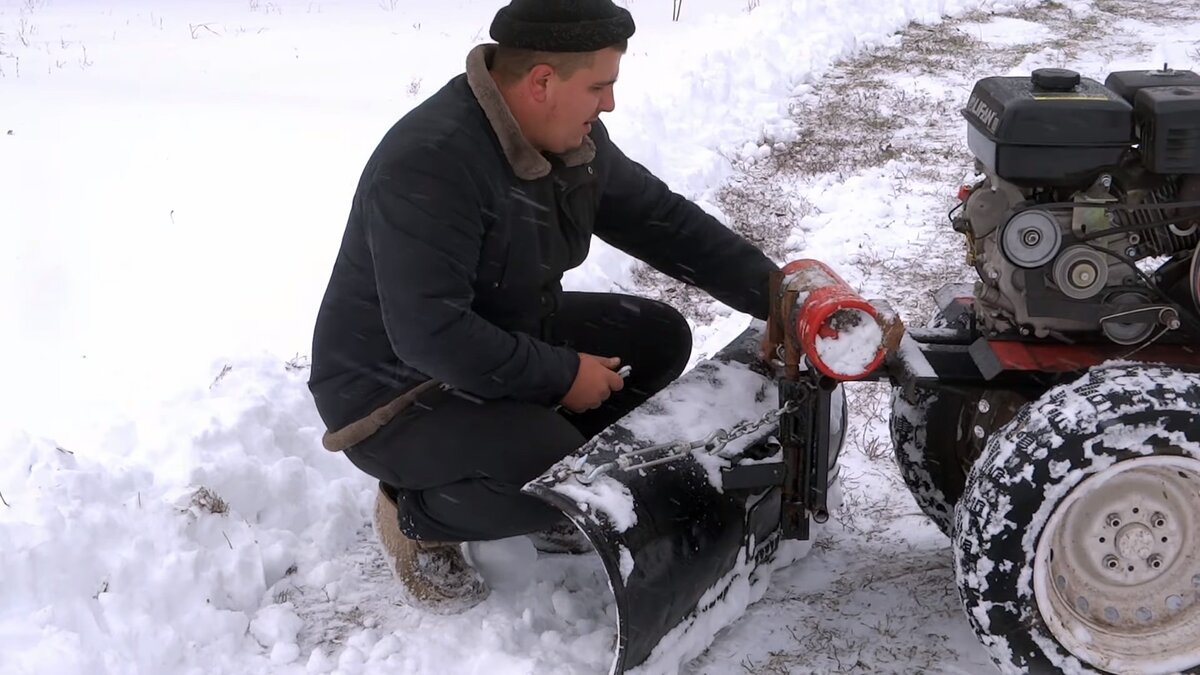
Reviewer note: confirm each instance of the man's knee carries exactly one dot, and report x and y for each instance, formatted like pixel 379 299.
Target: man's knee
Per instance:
pixel 677 332
pixel 672 337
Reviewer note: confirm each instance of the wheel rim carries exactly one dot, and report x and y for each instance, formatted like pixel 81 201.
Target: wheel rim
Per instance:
pixel 1117 569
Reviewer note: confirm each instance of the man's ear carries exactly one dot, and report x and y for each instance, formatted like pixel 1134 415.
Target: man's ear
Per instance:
pixel 539 81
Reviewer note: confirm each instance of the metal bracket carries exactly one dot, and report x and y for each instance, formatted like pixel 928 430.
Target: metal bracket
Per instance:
pixel 805 436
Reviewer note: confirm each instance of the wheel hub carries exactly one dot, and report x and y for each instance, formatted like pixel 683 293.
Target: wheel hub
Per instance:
pixel 1117 569
pixel 1135 541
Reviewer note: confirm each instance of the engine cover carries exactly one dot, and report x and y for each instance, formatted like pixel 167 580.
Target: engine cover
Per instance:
pixel 1169 128
pixel 1052 128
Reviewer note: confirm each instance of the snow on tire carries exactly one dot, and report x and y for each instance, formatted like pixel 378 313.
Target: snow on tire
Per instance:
pixel 918 456
pixel 1077 541
pixel 924 454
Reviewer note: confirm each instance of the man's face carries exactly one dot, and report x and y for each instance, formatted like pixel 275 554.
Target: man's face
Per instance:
pixel 574 103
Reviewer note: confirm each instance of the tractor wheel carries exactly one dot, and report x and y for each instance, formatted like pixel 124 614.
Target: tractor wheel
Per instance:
pixel 1077 538
pixel 926 454
pixel 934 458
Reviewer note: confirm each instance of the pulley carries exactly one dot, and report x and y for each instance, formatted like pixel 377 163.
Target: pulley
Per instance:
pixel 1080 272
pixel 1031 238
pixel 1136 328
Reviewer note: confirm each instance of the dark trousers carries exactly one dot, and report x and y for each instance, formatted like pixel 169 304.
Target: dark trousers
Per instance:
pixel 456 464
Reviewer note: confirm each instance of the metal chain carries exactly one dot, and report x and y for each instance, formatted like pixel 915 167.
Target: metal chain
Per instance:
pixel 711 445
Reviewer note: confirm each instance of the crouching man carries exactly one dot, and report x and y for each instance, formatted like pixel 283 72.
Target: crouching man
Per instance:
pixel 448 363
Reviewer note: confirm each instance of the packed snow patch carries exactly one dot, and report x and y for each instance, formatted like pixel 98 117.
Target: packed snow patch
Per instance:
pixel 626 564
pixel 855 342
pixel 603 495
pixel 1006 31
pixel 714 396
pixel 504 563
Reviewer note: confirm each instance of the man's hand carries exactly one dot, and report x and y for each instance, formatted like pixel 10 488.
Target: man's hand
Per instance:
pixel 595 381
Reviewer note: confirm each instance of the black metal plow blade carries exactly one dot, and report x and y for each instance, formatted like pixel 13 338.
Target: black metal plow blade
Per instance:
pixel 685 534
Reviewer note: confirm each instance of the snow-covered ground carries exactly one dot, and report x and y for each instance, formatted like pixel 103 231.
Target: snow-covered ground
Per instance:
pixel 174 179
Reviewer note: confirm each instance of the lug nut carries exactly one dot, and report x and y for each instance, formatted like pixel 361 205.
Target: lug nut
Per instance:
pixel 1113 520
pixel 1158 520
pixel 1156 561
pixel 1111 562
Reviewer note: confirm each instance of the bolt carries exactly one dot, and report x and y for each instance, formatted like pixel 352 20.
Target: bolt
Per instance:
pixel 979 432
pixel 1135 238
pixel 1169 318
pixel 1155 561
pixel 1159 520
pixel 1111 562
pixel 1031 237
pixel 1113 520
pixel 984 406
pixel 1024 330
pixel 1084 275
pixel 1106 180
pixel 1131 252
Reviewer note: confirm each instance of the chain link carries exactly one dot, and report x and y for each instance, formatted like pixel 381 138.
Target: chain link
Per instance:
pixel 711 445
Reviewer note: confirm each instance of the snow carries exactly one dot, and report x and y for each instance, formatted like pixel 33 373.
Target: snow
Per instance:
pixel 605 495
pixel 1006 31
pixel 627 564
pixel 174 178
pixel 708 399
pixel 506 563
pixel 855 344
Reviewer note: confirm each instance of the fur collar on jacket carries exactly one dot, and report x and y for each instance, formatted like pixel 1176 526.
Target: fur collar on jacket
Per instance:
pixel 526 161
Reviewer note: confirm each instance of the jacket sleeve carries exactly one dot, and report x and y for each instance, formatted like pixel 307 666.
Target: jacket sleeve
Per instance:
pixel 640 215
pixel 424 229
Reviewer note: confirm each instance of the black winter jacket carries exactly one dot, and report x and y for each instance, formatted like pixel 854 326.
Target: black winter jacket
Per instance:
pixel 457 240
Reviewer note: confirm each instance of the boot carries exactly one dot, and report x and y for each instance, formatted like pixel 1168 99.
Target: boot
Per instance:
pixel 562 537
pixel 433 576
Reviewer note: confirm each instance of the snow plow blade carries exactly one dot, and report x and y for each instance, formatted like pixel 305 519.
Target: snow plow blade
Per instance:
pixel 688 537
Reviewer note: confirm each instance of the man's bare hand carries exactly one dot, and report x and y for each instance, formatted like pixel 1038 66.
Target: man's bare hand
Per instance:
pixel 595 381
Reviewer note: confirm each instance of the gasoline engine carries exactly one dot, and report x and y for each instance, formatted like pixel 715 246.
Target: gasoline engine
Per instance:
pixel 1086 221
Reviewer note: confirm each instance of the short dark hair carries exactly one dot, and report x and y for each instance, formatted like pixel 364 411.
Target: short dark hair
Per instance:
pixel 511 63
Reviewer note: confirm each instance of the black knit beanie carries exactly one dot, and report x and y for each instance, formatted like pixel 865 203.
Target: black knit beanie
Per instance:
pixel 562 25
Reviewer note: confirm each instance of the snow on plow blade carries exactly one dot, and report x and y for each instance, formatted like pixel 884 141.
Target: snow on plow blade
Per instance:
pixel 688 536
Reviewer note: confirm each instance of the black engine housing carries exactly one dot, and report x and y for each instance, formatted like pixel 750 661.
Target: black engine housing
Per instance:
pixel 1057 129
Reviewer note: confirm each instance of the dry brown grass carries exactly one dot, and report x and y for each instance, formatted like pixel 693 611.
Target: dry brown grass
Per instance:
pixel 208 501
